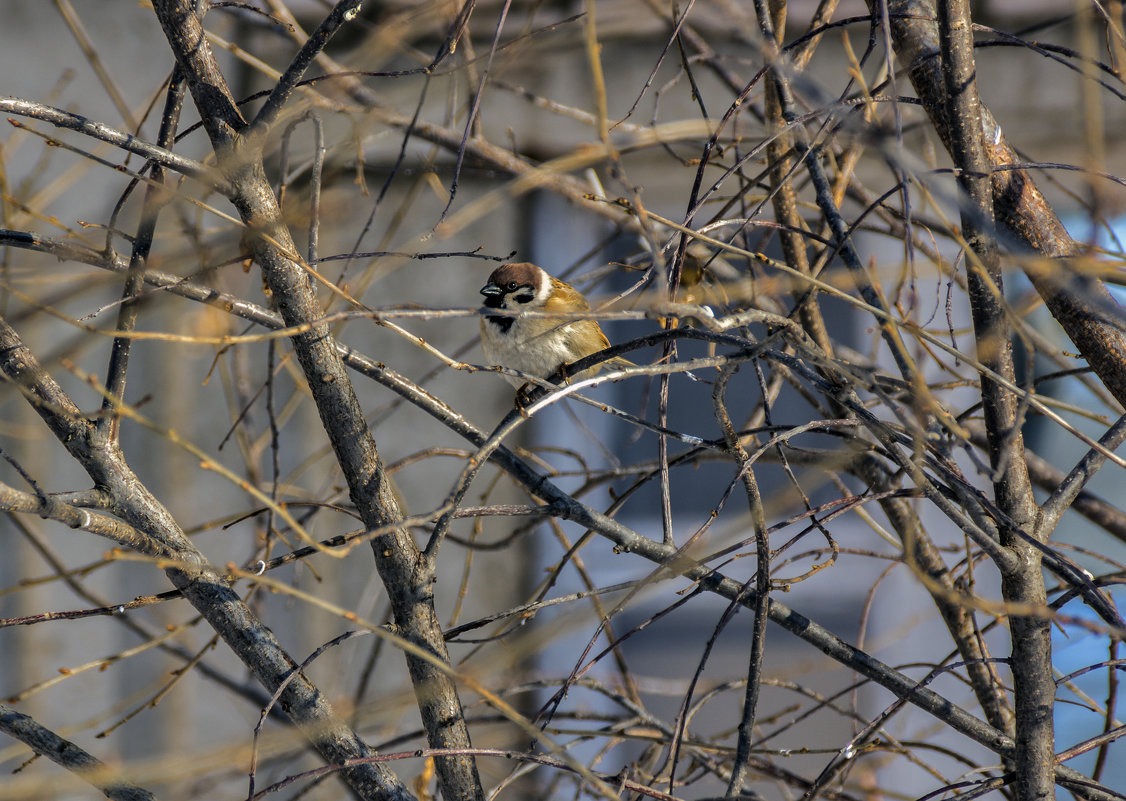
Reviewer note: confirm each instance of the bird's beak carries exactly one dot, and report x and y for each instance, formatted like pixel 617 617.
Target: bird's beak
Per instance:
pixel 491 290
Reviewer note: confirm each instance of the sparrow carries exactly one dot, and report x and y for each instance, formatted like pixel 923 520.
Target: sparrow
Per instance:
pixel 538 346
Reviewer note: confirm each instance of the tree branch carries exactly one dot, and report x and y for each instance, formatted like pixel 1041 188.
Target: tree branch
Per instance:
pixel 154 200
pixel 1022 213
pixel 104 133
pixel 201 584
pixel 81 763
pixel 1022 584
pixel 409 589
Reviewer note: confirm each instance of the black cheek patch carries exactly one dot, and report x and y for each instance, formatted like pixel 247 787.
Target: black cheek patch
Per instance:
pixel 525 297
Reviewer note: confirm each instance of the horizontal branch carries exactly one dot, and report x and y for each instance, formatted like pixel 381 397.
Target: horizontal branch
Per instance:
pixel 208 176
pixel 50 508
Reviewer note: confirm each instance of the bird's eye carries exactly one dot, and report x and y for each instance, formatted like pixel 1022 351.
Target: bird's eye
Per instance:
pixel 512 286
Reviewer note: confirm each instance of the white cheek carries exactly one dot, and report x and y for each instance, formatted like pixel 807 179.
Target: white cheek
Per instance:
pixel 542 294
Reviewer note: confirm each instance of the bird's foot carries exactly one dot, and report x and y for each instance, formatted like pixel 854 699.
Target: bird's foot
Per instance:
pixel 523 399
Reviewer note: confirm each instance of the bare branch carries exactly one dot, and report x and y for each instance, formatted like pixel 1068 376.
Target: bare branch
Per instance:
pixel 396 555
pixel 96 130
pixel 45 742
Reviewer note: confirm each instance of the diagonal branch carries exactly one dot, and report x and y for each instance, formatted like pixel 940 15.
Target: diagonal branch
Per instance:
pixel 567 507
pixel 187 568
pixel 63 752
pixel 344 11
pixel 142 245
pixel 408 583
pixel 1069 487
pixel 1022 213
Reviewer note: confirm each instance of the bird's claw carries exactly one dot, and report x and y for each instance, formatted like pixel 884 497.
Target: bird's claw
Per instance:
pixel 523 398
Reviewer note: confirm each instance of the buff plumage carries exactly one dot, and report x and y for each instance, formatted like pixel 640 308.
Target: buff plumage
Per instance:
pixel 538 345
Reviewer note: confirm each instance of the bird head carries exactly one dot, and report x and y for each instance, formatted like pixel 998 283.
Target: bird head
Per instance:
pixel 517 286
